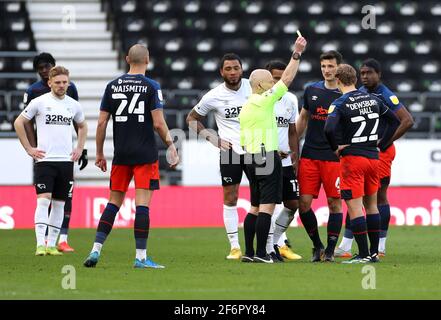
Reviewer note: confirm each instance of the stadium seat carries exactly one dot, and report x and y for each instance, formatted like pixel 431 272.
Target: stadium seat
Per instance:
pixel 411 101
pixel 17 101
pixel 438 126
pixel 173 118
pixel 422 123
pixel 3 105
pixel 5 124
pixel 182 101
pixel 433 103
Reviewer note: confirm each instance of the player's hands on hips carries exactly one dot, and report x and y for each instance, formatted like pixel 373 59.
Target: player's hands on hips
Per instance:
pixel 340 149
pixel 300 45
pixel 219 143
pixel 172 156
pixel 36 153
pixel 83 160
pixel 76 154
pixel 224 145
pixel 283 154
pixel 101 162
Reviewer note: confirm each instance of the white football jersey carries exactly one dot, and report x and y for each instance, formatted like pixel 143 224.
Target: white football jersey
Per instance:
pixel 226 104
pixel 53 118
pixel 287 111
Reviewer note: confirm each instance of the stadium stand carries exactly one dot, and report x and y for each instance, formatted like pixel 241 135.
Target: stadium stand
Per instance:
pixel 17 49
pixel 186 39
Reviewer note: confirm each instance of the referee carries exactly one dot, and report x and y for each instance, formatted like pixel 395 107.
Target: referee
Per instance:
pixel 259 138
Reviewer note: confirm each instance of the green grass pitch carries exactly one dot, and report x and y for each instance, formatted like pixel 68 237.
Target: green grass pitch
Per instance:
pixel 196 269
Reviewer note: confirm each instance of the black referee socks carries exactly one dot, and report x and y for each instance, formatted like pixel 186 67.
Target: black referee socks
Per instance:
pixel 249 228
pixel 263 224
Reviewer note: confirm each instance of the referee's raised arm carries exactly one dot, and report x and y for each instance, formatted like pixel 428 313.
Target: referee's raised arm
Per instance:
pixel 291 69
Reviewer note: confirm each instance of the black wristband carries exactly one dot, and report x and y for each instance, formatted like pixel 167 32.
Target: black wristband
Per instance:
pixel 296 56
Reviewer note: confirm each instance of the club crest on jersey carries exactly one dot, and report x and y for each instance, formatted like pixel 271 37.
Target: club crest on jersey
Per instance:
pixel 314 98
pixel 394 100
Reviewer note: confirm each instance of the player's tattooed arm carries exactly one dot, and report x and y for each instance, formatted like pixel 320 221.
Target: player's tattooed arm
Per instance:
pixel 194 121
pixel 82 135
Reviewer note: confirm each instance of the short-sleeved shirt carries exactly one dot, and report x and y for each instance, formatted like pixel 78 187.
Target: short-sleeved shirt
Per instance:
pixel 53 117
pixel 287 112
pixel 257 120
pixel 40 87
pixel 226 105
pixel 316 100
pixel 359 114
pixel 130 100
pixel 388 98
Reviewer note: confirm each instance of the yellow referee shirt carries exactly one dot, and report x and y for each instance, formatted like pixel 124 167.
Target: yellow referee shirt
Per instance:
pixel 258 121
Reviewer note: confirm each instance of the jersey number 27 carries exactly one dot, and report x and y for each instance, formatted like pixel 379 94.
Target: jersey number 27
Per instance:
pixel 373 136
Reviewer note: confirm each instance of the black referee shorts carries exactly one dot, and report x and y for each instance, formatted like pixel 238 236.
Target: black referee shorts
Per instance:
pixel 231 166
pixel 265 179
pixel 290 184
pixel 54 177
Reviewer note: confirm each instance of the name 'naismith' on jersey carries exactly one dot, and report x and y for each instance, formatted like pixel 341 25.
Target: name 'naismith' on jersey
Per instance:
pixel 137 87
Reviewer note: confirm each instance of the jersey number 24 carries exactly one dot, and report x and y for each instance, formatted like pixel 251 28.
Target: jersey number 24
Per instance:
pixel 134 107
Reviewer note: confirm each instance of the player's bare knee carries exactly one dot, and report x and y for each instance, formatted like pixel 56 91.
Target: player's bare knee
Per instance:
pixel 254 210
pixel 230 196
pixel 116 198
pixel 382 197
pixel 47 196
pixel 304 206
pixel 292 205
pixel 334 205
pixel 230 200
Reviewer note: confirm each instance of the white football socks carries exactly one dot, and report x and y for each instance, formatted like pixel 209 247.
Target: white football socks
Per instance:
pixel 382 245
pixel 141 254
pixel 55 221
pixel 63 238
pixel 270 239
pixel 281 225
pixel 346 244
pixel 282 239
pixel 41 220
pixel 97 247
pixel 231 221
